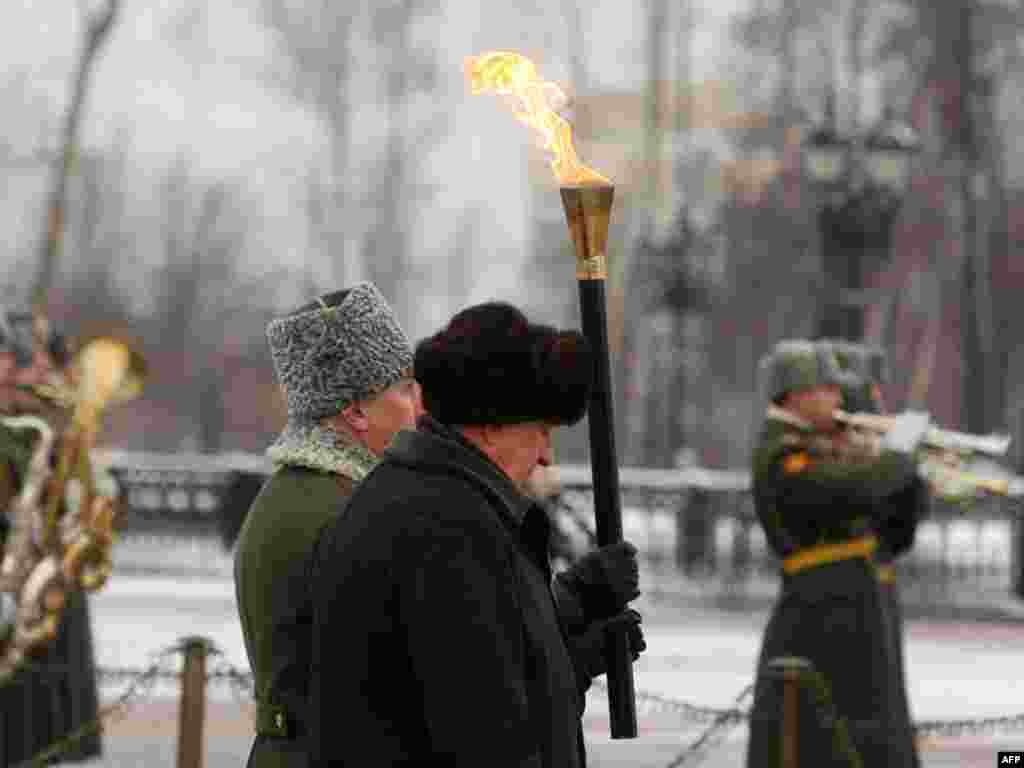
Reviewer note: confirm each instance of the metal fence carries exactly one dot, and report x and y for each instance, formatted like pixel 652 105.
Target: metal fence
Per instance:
pixel 695 528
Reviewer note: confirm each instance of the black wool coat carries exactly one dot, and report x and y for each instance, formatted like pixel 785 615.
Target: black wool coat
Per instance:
pixel 435 635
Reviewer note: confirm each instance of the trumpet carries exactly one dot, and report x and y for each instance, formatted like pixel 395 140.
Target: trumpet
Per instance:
pixel 947 459
pixel 949 477
pixel 935 437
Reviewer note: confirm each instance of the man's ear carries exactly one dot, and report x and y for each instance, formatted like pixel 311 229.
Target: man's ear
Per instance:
pixel 356 417
pixel 492 434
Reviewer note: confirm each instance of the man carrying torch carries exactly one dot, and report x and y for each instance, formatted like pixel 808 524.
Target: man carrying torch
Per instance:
pixel 436 637
pixel 587 200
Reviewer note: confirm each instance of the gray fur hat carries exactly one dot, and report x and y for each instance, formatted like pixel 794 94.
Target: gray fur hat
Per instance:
pixel 877 364
pixel 343 347
pixel 18 329
pixel 868 361
pixel 797 364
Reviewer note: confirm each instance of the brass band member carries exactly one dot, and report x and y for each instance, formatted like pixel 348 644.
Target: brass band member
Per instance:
pixel 865 370
pixel 56 693
pixel 817 494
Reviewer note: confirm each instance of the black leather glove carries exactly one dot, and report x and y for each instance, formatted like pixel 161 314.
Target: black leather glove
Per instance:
pixel 587 648
pixel 602 582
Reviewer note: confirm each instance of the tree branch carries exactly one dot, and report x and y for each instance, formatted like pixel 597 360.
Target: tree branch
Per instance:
pixel 97 28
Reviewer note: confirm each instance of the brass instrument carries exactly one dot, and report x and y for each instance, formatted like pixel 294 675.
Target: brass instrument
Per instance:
pixel 946 456
pixel 57 546
pixel 941 439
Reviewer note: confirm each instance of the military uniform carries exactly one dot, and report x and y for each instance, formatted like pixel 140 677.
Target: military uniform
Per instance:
pixel 57 695
pixel 817 498
pixel 897 520
pixel 343 348
pixel 318 472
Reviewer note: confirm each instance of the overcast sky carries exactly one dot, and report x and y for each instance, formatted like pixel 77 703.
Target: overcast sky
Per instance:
pixel 207 86
pixel 197 77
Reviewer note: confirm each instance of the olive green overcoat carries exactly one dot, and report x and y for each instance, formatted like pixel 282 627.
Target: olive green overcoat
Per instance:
pixel 316 471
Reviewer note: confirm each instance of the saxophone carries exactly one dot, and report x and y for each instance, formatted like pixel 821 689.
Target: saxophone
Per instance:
pixel 56 546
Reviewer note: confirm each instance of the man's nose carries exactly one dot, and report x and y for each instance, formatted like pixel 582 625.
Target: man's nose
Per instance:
pixel 546 454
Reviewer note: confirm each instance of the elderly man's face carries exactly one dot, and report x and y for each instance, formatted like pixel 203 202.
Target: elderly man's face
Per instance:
pixel 519 448
pixel 396 408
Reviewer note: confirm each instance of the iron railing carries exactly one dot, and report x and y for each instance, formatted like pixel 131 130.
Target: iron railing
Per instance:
pixel 695 529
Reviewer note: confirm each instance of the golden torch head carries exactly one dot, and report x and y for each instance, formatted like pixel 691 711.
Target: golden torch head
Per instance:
pixel 586 194
pixel 588 211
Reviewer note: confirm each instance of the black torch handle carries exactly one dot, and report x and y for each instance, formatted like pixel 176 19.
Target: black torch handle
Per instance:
pixel 607 499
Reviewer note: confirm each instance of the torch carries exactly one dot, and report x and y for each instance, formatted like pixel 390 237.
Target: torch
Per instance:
pixel 587 200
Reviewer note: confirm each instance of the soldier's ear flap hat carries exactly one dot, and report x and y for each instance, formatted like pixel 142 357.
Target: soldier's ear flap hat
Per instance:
pixel 867 360
pixel 848 355
pixel 343 347
pixel 490 365
pixel 850 359
pixel 876 365
pixel 18 335
pixel 796 365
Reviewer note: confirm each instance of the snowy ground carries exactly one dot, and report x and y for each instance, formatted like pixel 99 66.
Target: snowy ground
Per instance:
pixel 701 656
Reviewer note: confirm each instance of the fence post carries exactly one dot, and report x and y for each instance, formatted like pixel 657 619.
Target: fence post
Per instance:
pixel 791 670
pixel 693 522
pixel 192 702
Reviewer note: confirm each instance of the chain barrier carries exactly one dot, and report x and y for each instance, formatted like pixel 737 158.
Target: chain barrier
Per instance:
pixel 141 683
pixel 714 734
pixel 717 722
pixel 973 727
pixel 140 686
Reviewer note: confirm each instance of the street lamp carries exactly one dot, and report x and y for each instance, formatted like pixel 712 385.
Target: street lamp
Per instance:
pixel 826 152
pixel 865 179
pixel 890 149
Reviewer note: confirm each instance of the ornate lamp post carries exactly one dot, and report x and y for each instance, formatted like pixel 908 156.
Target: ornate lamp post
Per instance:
pixel 864 179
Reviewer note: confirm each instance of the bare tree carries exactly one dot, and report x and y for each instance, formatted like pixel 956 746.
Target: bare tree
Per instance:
pixel 396 187
pixel 19 96
pixel 960 109
pixel 316 36
pixel 202 233
pixel 97 27
pixel 101 238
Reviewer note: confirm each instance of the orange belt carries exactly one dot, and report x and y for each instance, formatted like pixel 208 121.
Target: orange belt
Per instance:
pixel 822 554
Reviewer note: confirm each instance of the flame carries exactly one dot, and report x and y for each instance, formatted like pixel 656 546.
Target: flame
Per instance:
pixel 533 102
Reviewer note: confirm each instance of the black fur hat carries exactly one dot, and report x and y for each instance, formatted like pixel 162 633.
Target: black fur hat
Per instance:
pixel 491 365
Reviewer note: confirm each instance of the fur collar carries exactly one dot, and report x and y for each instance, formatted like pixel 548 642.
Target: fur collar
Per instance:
pixel 325 450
